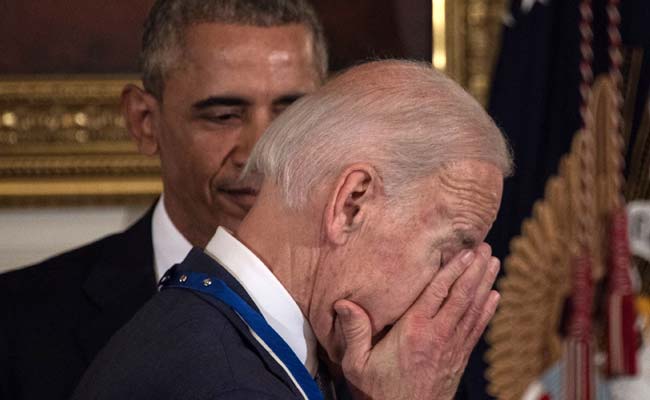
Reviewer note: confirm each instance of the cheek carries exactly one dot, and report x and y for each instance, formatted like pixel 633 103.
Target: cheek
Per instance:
pixel 194 165
pixel 206 155
pixel 408 286
pixel 210 152
pixel 396 286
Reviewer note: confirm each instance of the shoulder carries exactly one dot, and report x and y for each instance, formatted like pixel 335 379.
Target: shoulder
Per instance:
pixel 60 270
pixel 244 394
pixel 182 345
pixel 55 315
pixel 71 268
pixel 55 290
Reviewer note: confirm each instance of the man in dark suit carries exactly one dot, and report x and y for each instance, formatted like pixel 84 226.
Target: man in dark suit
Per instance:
pixel 215 73
pixel 363 252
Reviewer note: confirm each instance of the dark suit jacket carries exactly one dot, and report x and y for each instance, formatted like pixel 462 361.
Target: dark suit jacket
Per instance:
pixel 56 315
pixel 186 345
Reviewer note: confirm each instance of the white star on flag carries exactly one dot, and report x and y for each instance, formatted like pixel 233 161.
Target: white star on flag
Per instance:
pixel 527 5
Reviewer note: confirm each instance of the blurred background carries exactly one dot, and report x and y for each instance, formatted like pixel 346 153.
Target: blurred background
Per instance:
pixel 69 174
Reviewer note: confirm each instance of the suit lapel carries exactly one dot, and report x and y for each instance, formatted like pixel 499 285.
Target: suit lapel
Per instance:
pixel 198 261
pixel 119 282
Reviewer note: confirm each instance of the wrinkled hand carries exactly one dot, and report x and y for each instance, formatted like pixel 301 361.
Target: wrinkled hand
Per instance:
pixel 424 354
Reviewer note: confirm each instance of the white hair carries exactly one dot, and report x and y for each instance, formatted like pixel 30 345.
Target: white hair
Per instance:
pixel 403 117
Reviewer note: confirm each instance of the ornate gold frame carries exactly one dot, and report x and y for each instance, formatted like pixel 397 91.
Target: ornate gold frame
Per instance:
pixel 62 139
pixel 466 41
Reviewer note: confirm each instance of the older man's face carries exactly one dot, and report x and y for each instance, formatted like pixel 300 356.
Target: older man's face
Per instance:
pixel 233 82
pixel 395 258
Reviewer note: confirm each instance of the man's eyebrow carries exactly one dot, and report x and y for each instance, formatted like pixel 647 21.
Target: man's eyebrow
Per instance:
pixel 230 101
pixel 466 240
pixel 219 101
pixel 288 98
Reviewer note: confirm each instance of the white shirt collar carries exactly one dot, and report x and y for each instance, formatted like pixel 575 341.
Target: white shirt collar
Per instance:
pixel 275 303
pixel 169 245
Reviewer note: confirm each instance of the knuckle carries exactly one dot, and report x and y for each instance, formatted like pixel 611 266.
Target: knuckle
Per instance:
pixel 464 290
pixel 355 331
pixel 479 327
pixel 443 335
pixel 351 367
pixel 415 337
pixel 457 306
pixel 475 310
pixel 440 341
pixel 440 290
pixel 484 319
pixel 457 367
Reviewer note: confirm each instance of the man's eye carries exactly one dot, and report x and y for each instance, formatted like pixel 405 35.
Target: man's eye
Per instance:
pixel 221 118
pixel 279 108
pixel 224 119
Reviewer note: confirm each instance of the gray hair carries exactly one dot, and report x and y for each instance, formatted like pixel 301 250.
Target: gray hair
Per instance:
pixel 164 30
pixel 403 117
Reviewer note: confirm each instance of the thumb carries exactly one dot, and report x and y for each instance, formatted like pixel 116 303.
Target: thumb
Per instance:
pixel 357 332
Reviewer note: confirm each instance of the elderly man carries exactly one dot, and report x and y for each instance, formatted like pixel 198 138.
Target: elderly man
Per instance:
pixel 364 251
pixel 215 73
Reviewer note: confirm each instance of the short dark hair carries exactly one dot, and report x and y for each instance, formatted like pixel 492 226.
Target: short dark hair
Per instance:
pixel 168 19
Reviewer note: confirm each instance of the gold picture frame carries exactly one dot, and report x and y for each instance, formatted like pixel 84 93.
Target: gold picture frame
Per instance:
pixel 466 36
pixel 63 140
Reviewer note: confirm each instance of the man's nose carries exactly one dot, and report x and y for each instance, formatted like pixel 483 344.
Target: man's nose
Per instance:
pixel 249 135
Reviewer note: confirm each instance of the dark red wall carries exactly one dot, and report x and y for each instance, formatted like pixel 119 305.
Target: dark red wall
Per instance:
pixel 362 29
pixel 70 36
pixel 81 36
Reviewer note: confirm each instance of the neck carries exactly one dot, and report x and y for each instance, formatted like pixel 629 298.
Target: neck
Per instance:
pixel 278 238
pixel 198 233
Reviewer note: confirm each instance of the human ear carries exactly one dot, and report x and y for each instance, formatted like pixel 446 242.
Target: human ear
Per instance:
pixel 350 201
pixel 138 109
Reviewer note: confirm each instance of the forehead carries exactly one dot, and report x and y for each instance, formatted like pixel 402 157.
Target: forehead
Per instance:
pixel 468 194
pixel 224 57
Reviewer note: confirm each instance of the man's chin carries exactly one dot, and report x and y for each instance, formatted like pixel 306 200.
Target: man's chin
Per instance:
pixel 226 214
pixel 228 221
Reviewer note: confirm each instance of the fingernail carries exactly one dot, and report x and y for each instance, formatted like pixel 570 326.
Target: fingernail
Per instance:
pixel 494 265
pixel 485 249
pixel 467 257
pixel 495 297
pixel 343 312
